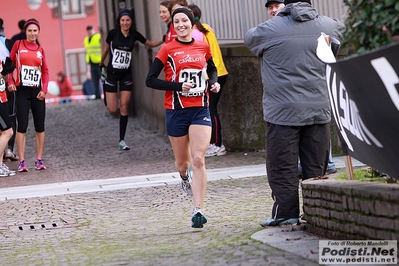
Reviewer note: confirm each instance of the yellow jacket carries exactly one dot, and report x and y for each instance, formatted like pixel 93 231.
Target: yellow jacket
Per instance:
pixel 217 57
pixel 93 48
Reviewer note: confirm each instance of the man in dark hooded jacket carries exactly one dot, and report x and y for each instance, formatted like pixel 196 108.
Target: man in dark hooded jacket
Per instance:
pixel 295 101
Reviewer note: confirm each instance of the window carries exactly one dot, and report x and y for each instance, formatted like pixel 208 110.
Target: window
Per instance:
pixel 76 66
pixel 72 9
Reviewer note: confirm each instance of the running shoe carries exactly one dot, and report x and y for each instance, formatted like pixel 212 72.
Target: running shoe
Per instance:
pixel 302 219
pixel 123 146
pixel 220 151
pixel 39 165
pixel 10 155
pixel 186 185
pixel 4 169
pixel 211 151
pixel 198 220
pixel 331 171
pixel 3 173
pixel 214 150
pixel 280 221
pixel 22 166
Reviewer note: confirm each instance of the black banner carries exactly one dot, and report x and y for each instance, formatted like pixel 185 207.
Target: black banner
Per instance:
pixel 364 94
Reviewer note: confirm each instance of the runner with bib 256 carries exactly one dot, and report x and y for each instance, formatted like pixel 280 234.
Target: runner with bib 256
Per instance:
pixel 119 45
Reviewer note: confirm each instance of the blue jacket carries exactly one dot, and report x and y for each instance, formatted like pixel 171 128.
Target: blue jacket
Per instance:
pixel 88 88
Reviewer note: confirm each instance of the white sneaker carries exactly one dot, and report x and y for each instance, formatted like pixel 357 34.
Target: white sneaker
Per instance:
pixel 211 151
pixel 123 146
pixel 10 155
pixel 220 151
pixel 214 150
pixel 5 171
pixel 186 185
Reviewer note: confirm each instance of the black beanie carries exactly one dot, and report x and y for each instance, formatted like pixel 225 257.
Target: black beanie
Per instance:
pixel 286 2
pixel 185 10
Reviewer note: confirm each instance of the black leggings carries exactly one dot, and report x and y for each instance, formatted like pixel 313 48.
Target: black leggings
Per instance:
pixel 216 137
pixel 26 98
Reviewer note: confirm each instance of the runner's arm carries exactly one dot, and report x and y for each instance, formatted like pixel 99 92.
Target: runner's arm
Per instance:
pixel 152 80
pixel 153 43
pixel 211 71
pixel 45 74
pixel 104 54
pixel 13 55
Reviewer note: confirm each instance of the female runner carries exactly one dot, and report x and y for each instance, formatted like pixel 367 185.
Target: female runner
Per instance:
pixel 120 43
pixel 31 87
pixel 164 14
pixel 186 63
pixel 172 5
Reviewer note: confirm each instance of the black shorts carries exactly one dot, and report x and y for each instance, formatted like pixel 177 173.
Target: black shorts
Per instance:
pixel 125 79
pixel 5 122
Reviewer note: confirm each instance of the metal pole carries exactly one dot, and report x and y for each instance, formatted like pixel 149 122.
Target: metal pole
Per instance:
pixel 62 36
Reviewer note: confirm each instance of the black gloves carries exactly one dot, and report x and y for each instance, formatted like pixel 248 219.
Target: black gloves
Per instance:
pixel 8 67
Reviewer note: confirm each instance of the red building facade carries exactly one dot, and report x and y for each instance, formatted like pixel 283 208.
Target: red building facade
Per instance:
pixel 61 36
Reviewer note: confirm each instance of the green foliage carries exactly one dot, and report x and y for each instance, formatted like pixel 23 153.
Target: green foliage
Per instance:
pixel 365 21
pixel 368 174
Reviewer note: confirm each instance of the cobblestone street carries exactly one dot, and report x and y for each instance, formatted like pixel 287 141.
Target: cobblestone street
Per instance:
pixel 141 226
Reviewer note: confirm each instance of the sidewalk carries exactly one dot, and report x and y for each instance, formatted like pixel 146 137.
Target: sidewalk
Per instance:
pixel 95 205
pixel 141 181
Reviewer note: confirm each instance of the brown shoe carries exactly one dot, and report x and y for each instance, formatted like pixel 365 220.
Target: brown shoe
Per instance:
pixel 320 177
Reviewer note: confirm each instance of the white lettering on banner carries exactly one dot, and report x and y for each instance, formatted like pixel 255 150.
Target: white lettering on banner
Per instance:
pixel 334 106
pixel 388 76
pixel 350 119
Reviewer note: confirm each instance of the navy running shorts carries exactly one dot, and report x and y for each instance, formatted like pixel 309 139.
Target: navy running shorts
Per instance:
pixel 179 121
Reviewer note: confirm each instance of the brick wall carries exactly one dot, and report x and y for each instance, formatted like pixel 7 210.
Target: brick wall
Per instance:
pixel 351 209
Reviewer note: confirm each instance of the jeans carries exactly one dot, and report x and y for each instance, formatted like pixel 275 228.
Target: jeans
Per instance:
pixel 95 79
pixel 331 164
